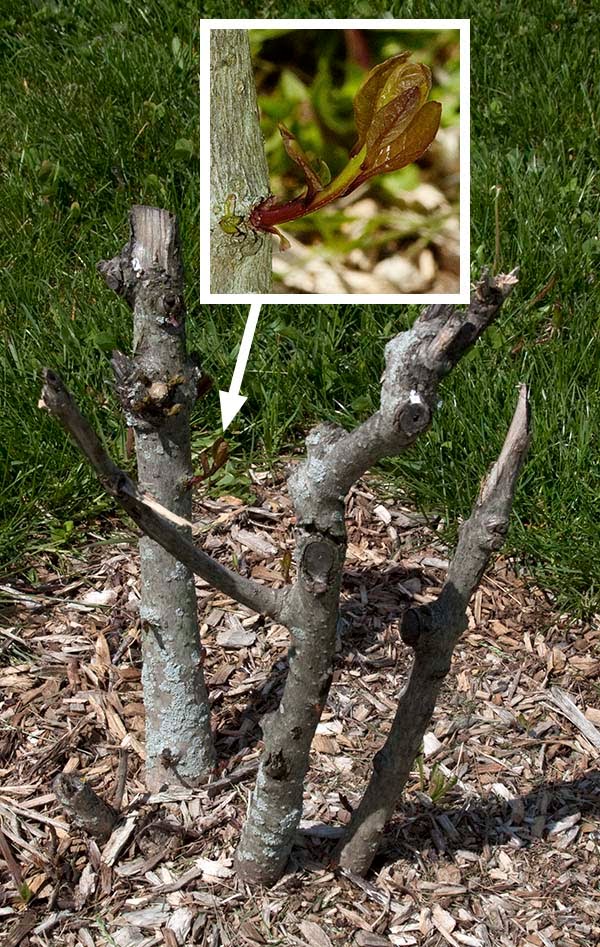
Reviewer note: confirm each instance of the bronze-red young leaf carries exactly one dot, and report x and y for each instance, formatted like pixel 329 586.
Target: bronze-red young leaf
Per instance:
pixel 390 121
pixel 410 145
pixel 295 152
pixel 365 100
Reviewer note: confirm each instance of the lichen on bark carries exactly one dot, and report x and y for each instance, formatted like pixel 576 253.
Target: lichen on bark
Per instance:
pixel 157 388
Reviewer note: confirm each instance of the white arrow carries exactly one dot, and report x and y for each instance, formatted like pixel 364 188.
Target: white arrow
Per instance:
pixel 232 400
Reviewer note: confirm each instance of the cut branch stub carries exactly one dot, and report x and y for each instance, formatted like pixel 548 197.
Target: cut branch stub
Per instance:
pixel 84 806
pixel 415 623
pixel 412 418
pixel 318 559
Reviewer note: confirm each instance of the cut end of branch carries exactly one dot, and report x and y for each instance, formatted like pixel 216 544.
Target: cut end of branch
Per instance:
pixel 415 623
pixel 84 806
pixel 504 283
pixel 503 475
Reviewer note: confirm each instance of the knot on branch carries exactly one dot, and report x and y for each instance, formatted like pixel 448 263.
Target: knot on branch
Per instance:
pixel 145 400
pixel 316 565
pixel 119 275
pixel 496 530
pixel 172 307
pixel 413 417
pixel 416 622
pixel 276 765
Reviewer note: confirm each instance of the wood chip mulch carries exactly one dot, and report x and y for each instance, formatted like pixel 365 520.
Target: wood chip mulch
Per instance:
pixel 496 843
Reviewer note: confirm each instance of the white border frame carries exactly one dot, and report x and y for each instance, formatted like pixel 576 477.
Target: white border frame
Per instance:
pixel 464 28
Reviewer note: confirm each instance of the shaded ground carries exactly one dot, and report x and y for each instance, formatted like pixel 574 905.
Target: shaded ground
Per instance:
pixel 498 842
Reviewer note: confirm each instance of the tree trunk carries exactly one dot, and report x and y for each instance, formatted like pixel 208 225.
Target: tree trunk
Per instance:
pixel 157 389
pixel 240 259
pixel 311 615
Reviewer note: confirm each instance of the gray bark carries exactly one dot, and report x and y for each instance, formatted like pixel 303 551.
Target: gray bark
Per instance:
pixel 433 632
pixel 153 519
pixel 157 389
pixel 416 361
pixel 84 806
pixel 311 616
pixel 240 262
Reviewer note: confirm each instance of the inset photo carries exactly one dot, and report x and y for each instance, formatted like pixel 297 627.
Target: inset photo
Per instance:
pixel 334 160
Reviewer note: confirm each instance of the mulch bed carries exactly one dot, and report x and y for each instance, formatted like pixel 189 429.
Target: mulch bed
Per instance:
pixel 496 843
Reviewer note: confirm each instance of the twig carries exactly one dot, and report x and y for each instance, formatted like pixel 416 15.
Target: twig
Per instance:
pixel 11 863
pixel 237 776
pixel 57 399
pixel 121 780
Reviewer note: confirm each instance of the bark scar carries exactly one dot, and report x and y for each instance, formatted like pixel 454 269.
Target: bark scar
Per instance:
pixel 318 559
pixel 277 766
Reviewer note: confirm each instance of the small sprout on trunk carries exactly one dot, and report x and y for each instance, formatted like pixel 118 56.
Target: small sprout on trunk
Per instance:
pixel 395 124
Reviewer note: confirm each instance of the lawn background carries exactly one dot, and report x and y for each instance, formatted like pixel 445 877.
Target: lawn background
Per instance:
pixel 100 107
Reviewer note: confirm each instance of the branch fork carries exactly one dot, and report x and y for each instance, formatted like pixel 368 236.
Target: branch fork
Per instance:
pixel 415 362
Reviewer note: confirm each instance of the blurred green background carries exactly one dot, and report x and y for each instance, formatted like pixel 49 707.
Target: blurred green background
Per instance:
pixel 307 79
pixel 101 111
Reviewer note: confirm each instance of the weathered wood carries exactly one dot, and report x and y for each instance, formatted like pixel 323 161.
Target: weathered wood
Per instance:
pixel 240 261
pixel 571 711
pixel 433 631
pixel 84 806
pixel 157 388
pixel 416 361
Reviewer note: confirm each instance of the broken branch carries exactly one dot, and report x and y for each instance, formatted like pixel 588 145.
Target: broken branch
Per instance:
pixel 433 631
pixel 58 400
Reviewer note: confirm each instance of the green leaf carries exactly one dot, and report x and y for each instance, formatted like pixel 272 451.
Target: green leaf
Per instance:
pixel 25 892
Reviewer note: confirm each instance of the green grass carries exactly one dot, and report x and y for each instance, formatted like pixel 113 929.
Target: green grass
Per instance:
pixel 75 86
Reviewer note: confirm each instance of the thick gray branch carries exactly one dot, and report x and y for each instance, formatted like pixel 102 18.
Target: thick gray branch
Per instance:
pixel 60 403
pixel 433 632
pixel 415 363
pixel 240 259
pixel 276 803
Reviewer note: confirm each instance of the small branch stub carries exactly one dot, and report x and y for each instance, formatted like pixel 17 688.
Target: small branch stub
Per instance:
pixel 84 806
